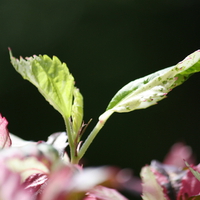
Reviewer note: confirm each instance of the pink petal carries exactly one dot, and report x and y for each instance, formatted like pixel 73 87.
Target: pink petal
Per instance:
pixel 190 185
pixel 35 184
pixel 10 186
pixel 90 197
pixel 58 184
pixel 71 181
pixel 178 153
pixel 104 193
pixel 5 140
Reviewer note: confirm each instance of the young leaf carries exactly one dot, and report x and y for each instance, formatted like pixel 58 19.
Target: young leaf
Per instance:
pixel 51 77
pixel 150 89
pixel 77 110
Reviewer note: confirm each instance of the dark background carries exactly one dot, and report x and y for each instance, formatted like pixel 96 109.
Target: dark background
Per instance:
pixel 105 44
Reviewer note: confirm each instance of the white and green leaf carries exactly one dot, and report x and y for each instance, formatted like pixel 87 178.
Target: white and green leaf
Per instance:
pixel 51 77
pixel 150 187
pixel 147 91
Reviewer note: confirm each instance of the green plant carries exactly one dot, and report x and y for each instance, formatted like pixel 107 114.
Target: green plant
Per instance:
pixel 57 85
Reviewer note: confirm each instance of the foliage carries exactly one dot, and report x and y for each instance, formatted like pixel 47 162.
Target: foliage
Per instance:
pixel 47 172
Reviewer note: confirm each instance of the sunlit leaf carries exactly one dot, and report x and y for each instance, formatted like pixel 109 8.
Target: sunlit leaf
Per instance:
pixel 51 77
pixel 147 91
pixel 77 110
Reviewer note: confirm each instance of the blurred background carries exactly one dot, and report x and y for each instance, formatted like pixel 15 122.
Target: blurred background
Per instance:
pixel 106 44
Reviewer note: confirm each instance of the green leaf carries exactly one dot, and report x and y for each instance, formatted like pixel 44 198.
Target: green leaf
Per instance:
pixel 194 172
pixel 150 187
pixel 51 77
pixel 147 91
pixel 77 110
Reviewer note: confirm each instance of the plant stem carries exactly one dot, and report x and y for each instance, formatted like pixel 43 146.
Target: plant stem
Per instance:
pixel 71 141
pixel 102 120
pixel 90 138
